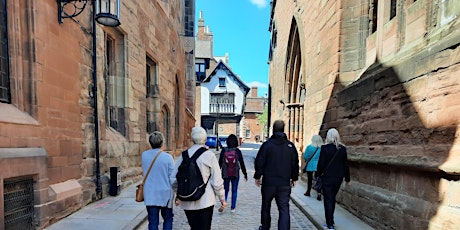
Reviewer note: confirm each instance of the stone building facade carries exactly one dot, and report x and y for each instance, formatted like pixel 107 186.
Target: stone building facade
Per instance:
pixel 385 74
pixel 48 140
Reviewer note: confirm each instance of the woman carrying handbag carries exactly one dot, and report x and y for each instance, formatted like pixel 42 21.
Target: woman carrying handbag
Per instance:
pixel 332 168
pixel 157 167
pixel 311 156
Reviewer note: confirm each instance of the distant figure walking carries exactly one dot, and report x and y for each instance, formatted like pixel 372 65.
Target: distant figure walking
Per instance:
pixel 332 168
pixel 230 161
pixel 158 192
pixel 311 156
pixel 277 164
pixel 199 212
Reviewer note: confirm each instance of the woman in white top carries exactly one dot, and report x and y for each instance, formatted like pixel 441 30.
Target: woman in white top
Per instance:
pixel 199 213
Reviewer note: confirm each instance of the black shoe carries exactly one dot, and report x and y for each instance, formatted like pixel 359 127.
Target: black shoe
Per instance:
pixel 306 194
pixel 318 197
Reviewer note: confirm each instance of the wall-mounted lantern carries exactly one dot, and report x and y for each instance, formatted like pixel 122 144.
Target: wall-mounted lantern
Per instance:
pixel 107 11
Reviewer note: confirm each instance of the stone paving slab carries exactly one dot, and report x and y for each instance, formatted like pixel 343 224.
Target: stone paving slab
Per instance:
pixel 113 212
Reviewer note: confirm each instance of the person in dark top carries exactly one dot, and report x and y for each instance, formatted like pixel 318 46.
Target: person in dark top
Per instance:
pixel 232 144
pixel 332 168
pixel 277 163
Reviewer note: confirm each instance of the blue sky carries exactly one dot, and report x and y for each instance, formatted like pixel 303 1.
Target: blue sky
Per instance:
pixel 240 28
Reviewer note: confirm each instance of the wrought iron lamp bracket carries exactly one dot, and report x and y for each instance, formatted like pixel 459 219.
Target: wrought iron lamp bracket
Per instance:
pixel 73 9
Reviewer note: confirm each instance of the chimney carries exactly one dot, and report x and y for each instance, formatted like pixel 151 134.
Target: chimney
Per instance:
pixel 201 27
pixel 254 91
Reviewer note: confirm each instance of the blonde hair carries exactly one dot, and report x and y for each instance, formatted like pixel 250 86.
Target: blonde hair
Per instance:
pixel 333 137
pixel 198 135
pixel 317 141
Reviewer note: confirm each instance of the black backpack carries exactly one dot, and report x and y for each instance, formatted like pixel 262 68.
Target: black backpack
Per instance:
pixel 190 184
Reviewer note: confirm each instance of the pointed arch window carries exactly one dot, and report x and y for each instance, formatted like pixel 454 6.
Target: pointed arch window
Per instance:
pixel 165 114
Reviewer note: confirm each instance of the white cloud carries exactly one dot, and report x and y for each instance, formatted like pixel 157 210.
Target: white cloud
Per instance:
pixel 260 3
pixel 259 85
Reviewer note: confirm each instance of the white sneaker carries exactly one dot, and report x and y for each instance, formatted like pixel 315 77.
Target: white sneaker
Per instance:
pixel 233 210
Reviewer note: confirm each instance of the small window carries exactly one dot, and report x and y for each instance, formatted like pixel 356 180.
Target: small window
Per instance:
pixel 221 81
pixel 200 70
pixel 152 78
pixel 393 9
pixel 373 9
pixel 248 133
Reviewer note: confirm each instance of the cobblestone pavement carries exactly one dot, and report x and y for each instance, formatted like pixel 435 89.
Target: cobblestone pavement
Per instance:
pixel 247 212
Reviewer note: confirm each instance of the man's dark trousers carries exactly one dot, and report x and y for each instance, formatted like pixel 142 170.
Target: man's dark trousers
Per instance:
pixel 281 195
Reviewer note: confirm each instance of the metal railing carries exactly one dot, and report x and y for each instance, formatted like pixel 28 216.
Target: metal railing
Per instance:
pixel 222 108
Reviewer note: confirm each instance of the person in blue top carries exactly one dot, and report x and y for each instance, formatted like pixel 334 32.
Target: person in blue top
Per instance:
pixel 158 192
pixel 311 156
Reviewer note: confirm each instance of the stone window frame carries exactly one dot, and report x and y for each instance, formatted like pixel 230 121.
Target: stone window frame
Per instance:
pixel 117 85
pixel 166 127
pixel 152 77
pixel 152 94
pixel 22 64
pixel 177 113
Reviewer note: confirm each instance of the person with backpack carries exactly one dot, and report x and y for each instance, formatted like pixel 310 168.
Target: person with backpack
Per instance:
pixel 198 182
pixel 311 156
pixel 230 161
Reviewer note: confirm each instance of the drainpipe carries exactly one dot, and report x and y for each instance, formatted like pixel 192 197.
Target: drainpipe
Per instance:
pixel 96 117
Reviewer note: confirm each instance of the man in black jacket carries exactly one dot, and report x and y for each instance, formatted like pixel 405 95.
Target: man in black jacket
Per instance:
pixel 277 164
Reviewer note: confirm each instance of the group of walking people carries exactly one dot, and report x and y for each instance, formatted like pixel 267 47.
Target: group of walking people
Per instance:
pixel 276 172
pixel 328 163
pixel 160 185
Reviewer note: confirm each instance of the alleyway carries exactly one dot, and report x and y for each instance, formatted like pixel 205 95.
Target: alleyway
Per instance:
pixel 247 215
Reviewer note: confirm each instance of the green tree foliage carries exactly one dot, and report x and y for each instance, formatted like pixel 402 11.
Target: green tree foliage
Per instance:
pixel 262 118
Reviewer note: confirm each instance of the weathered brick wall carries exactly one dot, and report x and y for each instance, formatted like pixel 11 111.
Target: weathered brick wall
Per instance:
pixel 52 99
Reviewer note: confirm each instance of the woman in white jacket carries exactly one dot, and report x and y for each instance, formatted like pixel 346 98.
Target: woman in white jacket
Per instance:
pixel 199 213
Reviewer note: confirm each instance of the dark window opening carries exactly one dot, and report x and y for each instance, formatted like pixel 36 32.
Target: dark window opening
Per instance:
pixel 5 90
pixel 373 11
pixel 393 9
pixel 221 82
pixel 152 78
pixel 200 69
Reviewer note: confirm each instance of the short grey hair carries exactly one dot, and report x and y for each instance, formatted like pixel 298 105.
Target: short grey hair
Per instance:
pixel 156 139
pixel 198 135
pixel 317 141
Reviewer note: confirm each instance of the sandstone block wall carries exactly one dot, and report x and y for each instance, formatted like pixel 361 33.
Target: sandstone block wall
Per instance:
pixel 393 96
pixel 52 107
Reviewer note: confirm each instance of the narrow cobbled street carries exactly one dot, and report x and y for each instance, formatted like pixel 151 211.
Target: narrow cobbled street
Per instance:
pixel 247 214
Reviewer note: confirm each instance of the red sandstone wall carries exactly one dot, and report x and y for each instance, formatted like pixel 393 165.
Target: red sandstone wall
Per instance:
pixel 393 95
pixel 52 103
